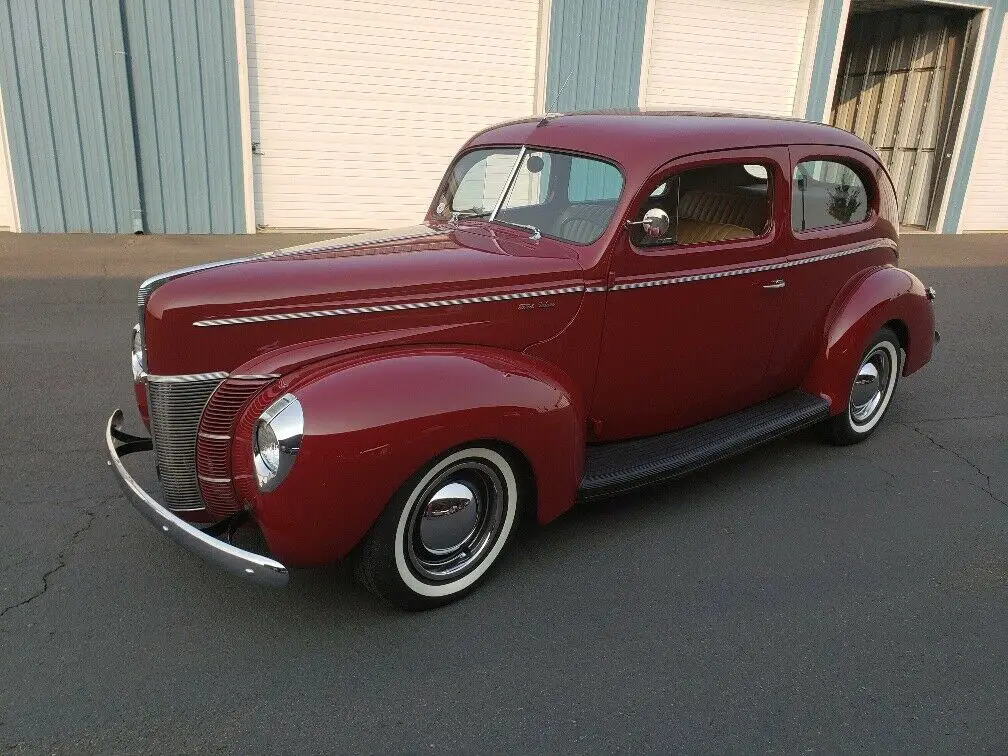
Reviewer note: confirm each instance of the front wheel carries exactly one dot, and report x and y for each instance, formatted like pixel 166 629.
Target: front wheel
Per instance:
pixel 871 391
pixel 442 530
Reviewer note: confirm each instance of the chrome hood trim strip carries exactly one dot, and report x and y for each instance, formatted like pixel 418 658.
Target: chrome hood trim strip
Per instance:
pixel 579 289
pixel 330 245
pixel 150 285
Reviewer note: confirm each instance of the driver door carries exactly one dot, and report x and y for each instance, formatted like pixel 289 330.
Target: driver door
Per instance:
pixel 690 320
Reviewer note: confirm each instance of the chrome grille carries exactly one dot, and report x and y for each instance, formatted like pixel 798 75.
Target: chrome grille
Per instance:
pixel 175 408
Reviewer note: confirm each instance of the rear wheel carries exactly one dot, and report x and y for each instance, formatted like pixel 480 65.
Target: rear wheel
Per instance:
pixel 442 530
pixel 871 391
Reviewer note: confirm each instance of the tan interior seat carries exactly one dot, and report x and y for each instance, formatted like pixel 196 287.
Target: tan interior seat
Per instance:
pixel 706 216
pixel 691 231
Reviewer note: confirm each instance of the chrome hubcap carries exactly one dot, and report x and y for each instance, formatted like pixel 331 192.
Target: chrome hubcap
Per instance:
pixel 455 520
pixel 870 385
pixel 449 519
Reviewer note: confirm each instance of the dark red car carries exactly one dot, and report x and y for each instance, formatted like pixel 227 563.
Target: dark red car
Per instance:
pixel 594 303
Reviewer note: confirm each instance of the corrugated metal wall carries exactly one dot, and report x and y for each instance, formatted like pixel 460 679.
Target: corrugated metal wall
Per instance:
pixel 67 113
pixel 895 90
pixel 183 65
pixel 96 141
pixel 601 42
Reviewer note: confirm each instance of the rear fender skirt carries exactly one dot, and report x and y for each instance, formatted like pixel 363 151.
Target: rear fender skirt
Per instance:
pixel 373 419
pixel 864 305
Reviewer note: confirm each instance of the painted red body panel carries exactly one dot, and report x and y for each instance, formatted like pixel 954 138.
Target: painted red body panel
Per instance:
pixel 372 420
pixel 384 392
pixel 445 266
pixel 868 302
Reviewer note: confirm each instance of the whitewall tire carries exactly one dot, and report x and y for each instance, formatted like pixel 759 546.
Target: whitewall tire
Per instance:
pixel 871 391
pixel 443 530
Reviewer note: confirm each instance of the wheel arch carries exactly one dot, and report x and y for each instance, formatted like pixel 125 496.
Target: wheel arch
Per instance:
pixel 372 420
pixel 900 329
pixel 873 299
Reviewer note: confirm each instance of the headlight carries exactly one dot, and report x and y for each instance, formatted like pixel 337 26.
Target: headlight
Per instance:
pixel 267 446
pixel 137 356
pixel 276 441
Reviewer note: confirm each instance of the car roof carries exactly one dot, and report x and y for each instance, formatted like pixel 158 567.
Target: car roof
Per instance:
pixel 633 137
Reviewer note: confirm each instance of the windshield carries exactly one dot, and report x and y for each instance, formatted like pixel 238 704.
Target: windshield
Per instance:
pixel 547 193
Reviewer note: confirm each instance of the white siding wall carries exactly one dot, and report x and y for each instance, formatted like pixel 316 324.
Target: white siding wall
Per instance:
pixel 6 201
pixel 359 105
pixel 734 55
pixel 985 205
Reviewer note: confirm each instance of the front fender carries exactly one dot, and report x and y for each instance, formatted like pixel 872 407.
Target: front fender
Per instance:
pixel 865 304
pixel 374 419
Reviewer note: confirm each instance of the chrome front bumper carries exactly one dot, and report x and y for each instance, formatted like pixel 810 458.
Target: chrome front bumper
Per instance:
pixel 246 564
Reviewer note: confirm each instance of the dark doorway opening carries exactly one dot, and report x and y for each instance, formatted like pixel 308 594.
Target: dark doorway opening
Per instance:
pixel 903 75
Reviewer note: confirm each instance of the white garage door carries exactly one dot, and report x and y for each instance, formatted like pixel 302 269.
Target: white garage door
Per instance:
pixel 358 105
pixel 733 55
pixel 986 204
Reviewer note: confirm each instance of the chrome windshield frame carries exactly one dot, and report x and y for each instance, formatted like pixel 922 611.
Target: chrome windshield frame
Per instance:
pixel 510 181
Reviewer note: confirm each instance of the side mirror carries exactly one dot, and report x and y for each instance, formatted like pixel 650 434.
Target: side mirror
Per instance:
pixel 656 223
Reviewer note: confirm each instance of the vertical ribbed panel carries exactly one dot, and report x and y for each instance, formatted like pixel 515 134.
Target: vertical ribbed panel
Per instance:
pixel 175 410
pixel 109 123
pixel 601 42
pixel 895 91
pixel 67 113
pixel 183 69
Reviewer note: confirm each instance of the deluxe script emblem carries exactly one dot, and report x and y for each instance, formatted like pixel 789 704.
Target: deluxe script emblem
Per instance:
pixel 543 305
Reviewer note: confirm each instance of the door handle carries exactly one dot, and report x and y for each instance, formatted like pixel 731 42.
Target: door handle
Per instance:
pixel 778 284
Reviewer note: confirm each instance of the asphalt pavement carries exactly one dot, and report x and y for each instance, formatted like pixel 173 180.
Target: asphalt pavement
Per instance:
pixel 799 598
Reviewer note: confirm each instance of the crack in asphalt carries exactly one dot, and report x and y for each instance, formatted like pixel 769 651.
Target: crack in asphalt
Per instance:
pixel 987 490
pixel 61 563
pixel 961 417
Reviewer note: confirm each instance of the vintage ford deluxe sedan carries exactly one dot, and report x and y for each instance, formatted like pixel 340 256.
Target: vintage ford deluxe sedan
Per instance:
pixel 594 303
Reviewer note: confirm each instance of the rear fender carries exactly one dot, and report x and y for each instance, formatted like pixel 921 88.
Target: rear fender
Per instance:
pixel 373 419
pixel 865 304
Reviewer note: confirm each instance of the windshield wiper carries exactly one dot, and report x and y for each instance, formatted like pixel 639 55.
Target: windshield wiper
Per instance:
pixel 534 234
pixel 458 215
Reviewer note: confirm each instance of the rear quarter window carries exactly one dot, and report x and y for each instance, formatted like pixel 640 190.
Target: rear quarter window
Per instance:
pixel 826 193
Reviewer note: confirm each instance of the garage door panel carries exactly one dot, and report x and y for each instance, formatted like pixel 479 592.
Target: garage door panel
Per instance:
pixel 985 193
pixel 732 55
pixel 357 120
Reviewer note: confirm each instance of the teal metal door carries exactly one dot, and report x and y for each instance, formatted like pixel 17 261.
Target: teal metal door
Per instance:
pixel 122 115
pixel 183 65
pixel 596 47
pixel 67 110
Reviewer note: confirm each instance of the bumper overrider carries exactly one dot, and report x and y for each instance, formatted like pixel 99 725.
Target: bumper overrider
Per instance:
pixel 247 564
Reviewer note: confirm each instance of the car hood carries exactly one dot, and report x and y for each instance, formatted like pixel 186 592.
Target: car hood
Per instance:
pixel 477 284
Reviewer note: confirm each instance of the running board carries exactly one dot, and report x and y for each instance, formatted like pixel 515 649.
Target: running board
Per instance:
pixel 622 466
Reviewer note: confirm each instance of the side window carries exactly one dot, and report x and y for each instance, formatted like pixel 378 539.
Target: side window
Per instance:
pixel 712 204
pixel 826 193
